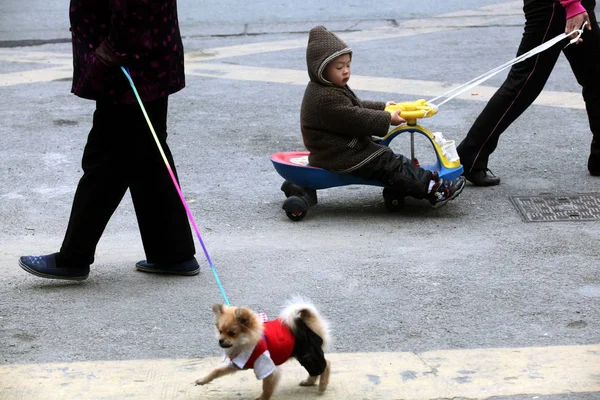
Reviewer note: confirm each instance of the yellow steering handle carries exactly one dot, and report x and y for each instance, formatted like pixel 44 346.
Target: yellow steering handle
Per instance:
pixel 411 110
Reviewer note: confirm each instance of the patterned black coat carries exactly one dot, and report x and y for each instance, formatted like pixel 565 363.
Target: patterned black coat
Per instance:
pixel 142 35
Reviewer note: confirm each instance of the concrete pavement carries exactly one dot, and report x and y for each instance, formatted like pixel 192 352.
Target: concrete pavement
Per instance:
pixel 440 374
pixel 470 285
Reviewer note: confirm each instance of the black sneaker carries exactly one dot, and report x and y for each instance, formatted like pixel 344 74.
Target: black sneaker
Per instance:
pixel 480 177
pixel 189 267
pixel 444 190
pixel 45 267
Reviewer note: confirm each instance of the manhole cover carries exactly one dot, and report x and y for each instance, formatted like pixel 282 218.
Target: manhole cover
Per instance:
pixel 580 207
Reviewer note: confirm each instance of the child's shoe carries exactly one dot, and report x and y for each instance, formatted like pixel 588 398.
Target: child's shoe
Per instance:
pixel 444 190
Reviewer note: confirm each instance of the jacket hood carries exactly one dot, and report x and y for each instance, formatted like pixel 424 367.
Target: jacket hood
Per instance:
pixel 323 47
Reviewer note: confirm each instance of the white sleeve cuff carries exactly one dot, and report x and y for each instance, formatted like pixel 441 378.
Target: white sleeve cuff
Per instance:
pixel 264 366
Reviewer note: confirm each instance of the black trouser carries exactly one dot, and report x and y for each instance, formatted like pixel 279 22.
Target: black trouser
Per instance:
pixel 397 172
pixel 545 19
pixel 121 154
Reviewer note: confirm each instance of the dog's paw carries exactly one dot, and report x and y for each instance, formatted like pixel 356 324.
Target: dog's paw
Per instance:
pixel 202 381
pixel 324 378
pixel 308 382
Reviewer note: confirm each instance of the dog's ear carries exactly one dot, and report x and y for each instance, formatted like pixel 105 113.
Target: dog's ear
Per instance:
pixel 244 316
pixel 217 309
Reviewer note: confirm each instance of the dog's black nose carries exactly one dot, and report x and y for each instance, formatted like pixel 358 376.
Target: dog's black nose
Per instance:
pixel 221 341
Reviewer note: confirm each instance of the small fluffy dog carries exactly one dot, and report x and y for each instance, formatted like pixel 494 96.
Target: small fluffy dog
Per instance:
pixel 250 343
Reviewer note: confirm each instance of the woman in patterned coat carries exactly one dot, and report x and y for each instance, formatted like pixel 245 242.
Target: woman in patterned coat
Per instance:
pixel 120 154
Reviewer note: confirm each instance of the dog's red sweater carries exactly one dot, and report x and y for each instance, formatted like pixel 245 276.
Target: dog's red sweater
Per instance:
pixel 278 339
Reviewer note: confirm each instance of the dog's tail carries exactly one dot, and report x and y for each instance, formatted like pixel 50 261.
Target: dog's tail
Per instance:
pixel 299 308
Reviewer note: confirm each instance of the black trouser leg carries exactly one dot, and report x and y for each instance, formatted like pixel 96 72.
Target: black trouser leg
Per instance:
pixel 121 153
pixel 162 219
pixel 398 173
pixel 99 191
pixel 525 81
pixel 584 59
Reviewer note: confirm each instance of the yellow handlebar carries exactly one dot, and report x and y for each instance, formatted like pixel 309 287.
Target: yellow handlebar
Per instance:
pixel 411 110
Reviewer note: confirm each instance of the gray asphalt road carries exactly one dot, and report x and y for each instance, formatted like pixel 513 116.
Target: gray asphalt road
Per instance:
pixel 47 20
pixel 469 275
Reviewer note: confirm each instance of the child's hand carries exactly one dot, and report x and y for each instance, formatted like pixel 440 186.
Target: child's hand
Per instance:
pixel 396 118
pixel 390 103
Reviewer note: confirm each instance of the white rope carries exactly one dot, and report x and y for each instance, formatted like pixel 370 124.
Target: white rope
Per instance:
pixel 484 77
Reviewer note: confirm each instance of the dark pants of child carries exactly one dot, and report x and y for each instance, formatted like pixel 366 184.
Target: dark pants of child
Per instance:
pixel 398 173
pixel 121 154
pixel 545 19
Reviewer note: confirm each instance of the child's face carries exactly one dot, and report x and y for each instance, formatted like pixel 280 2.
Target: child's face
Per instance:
pixel 338 71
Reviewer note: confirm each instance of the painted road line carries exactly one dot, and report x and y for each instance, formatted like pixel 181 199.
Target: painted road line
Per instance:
pixel 472 373
pixel 291 44
pixel 397 86
pixel 484 16
pixel 411 87
pixel 509 8
pixel 36 57
pixel 36 76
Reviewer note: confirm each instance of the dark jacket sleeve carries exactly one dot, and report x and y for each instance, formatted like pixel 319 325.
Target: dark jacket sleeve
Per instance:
pixel 339 115
pixel 130 35
pixel 373 105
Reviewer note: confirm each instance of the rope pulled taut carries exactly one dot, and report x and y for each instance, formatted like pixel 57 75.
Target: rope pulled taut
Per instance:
pixel 449 95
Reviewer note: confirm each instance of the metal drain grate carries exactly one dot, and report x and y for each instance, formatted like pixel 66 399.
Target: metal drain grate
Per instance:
pixel 580 207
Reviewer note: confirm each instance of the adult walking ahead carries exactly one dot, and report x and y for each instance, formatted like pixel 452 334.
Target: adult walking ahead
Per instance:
pixel 544 20
pixel 120 153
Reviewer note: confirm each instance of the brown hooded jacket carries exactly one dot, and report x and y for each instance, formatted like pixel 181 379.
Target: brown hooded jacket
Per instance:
pixel 337 127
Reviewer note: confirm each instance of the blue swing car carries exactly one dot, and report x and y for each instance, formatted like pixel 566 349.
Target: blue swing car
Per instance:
pixel 302 180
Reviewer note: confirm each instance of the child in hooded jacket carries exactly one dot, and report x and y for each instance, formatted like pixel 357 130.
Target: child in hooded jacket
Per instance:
pixel 338 128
